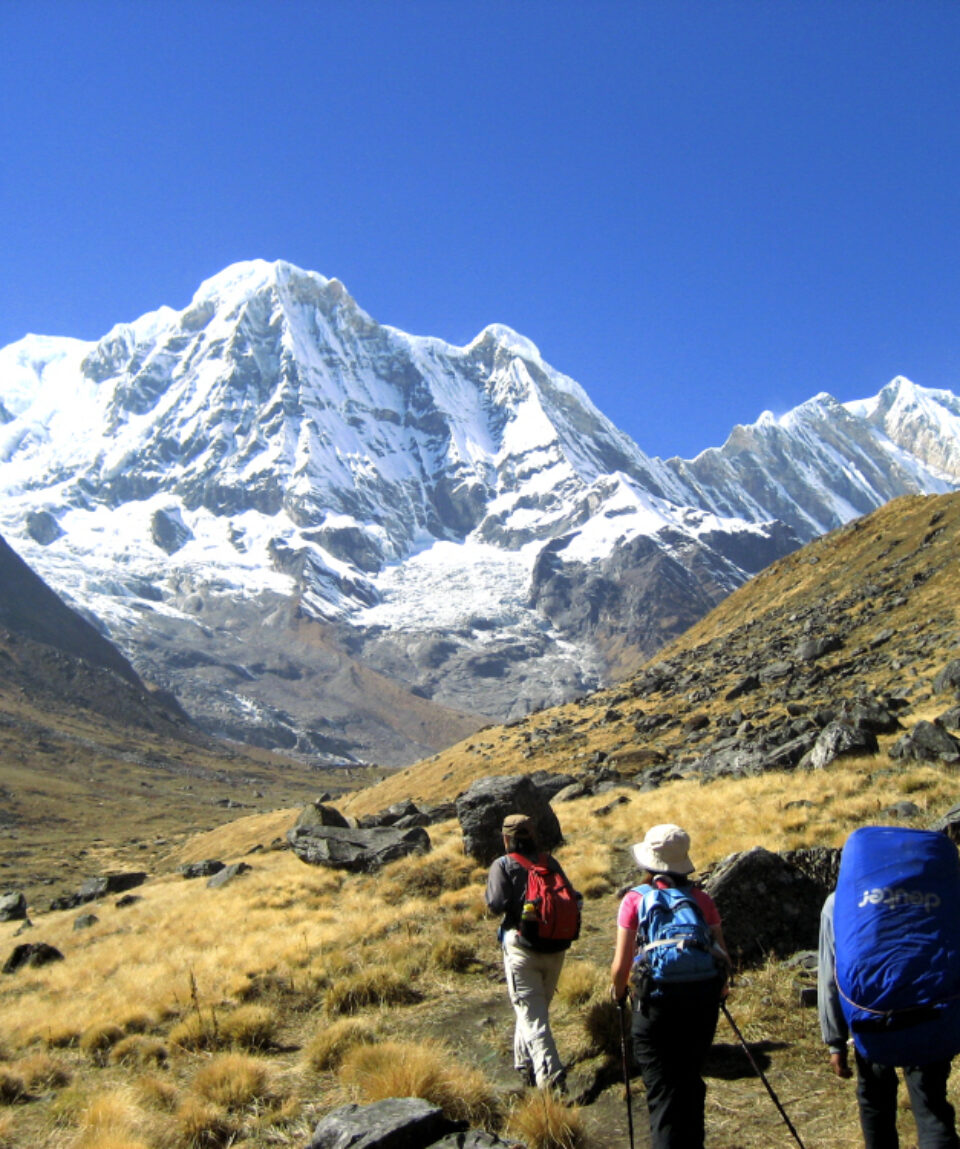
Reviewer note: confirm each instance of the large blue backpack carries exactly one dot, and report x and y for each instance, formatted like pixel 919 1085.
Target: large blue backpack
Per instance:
pixel 674 942
pixel 896 922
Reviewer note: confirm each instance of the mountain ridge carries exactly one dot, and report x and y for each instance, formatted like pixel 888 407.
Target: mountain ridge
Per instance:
pixel 462 520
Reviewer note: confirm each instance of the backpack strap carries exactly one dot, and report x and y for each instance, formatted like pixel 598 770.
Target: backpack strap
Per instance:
pixel 526 862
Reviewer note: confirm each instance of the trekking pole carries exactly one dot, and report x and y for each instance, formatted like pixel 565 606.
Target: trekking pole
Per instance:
pixel 760 1074
pixel 625 1057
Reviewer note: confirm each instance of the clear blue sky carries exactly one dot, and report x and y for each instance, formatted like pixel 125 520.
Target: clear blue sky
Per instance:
pixel 699 209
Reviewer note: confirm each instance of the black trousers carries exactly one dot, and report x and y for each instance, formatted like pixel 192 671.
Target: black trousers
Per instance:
pixel 927 1086
pixel 672 1034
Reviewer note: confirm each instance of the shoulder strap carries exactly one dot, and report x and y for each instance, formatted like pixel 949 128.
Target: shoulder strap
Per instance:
pixel 527 863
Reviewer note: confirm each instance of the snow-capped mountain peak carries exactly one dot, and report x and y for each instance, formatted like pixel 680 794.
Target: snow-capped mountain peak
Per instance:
pixel 463 520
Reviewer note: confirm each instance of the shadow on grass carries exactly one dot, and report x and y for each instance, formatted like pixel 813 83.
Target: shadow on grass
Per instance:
pixel 728 1061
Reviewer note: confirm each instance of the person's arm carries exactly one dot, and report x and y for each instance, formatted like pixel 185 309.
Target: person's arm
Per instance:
pixel 499 890
pixel 623 955
pixel 833 1025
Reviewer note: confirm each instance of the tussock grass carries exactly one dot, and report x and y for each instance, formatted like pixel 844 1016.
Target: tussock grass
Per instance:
pixel 201 1124
pixel 113 1120
pixel 378 985
pixel 326 1050
pixel 40 1071
pixel 429 1070
pixel 139 1049
pixel 97 1041
pixel 13 1087
pixel 233 1081
pixel 579 981
pixel 541 1121
pixel 453 953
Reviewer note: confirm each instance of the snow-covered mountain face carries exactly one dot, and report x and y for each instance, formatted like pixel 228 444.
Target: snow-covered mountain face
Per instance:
pixel 326 535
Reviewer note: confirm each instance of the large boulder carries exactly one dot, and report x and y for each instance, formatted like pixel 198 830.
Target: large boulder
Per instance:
pixel 395 1123
pixel 767 905
pixel 482 808
pixel 837 740
pixel 948 678
pixel 321 814
pixel 31 954
pixel 927 742
pixel 13 907
pixel 356 850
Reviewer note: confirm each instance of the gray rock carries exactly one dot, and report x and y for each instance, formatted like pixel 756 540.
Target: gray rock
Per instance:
pixel 227 874
pixel 568 793
pixel 767 905
pixel 903 810
pixel 473 1139
pixel 748 683
pixel 396 1123
pixel 950 719
pixel 821 864
pixel 85 921
pixel 13 907
pixel 948 678
pixel 482 808
pixel 31 954
pixel 320 814
pixel 114 883
pixel 838 739
pixel 205 869
pixel 356 850
pixel 868 714
pixel 927 742
pixel 949 824
pixel 774 671
pixel 810 649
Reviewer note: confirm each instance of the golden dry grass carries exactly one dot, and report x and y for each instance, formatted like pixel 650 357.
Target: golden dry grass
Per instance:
pixel 541 1121
pixel 427 1069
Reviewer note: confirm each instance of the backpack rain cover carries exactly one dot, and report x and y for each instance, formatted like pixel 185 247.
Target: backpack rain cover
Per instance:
pixel 897 928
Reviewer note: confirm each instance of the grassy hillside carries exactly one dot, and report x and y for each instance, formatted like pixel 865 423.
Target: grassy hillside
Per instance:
pixel 205 1017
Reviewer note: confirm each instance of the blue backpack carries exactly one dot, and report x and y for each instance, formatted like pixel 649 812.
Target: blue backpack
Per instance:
pixel 674 942
pixel 896 922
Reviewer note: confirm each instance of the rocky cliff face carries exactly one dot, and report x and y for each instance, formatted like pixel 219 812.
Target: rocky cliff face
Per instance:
pixel 332 537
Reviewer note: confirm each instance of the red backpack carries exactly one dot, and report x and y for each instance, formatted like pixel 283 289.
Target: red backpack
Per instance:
pixel 551 912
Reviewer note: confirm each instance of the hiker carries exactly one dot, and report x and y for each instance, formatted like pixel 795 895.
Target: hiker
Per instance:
pixel 532 963
pixel 878 937
pixel 673 1020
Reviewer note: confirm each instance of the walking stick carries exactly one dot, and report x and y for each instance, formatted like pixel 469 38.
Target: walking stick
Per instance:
pixel 625 1057
pixel 760 1074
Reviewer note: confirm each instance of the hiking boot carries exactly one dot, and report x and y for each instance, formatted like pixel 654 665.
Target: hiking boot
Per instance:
pixel 527 1075
pixel 558 1083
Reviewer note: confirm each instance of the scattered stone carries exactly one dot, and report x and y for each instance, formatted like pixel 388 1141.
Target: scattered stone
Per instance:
pixel 903 810
pixel 948 678
pixel 127 900
pixel 838 740
pixel 356 850
pixel 746 684
pixel 227 874
pixel 204 869
pixel 810 649
pixel 927 742
pixel 13 906
pixel 31 954
pixel 85 921
pixel 396 1123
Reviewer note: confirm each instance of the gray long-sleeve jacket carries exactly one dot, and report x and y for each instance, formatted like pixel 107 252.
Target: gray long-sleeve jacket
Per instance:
pixel 833 1025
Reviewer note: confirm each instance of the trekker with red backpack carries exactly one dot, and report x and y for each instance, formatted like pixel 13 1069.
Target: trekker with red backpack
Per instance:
pixel 541 917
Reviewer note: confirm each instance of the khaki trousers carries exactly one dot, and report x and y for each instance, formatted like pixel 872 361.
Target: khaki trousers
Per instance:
pixel 531 981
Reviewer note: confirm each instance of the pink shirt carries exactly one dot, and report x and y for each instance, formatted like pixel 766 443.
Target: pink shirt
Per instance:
pixel 628 915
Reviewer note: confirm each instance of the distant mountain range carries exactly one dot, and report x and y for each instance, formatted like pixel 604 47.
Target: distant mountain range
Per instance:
pixel 327 536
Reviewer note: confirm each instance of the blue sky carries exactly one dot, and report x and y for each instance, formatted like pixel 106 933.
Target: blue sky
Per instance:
pixel 699 210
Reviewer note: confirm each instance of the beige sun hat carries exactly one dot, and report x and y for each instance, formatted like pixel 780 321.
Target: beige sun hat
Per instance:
pixel 664 849
pixel 514 822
